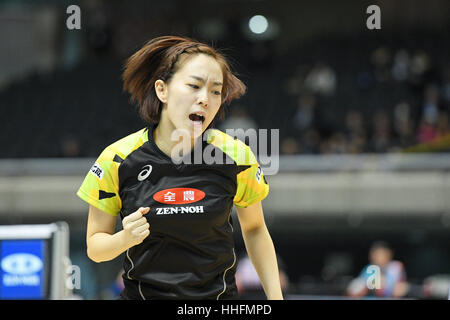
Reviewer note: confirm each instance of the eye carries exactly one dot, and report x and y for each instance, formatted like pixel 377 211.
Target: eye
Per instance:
pixel 217 93
pixel 193 86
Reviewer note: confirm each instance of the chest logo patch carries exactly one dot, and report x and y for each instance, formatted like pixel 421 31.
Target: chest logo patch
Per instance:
pixel 146 170
pixel 179 195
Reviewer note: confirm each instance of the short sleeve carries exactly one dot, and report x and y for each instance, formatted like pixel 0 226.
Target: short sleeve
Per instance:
pixel 100 187
pixel 252 185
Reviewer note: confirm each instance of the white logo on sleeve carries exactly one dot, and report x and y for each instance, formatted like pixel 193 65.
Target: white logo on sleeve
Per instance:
pixel 97 171
pixel 147 169
pixel 258 174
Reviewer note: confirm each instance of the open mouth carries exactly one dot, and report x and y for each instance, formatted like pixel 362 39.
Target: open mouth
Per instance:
pixel 196 117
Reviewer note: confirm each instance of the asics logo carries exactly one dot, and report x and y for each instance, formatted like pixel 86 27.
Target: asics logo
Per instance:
pixel 147 169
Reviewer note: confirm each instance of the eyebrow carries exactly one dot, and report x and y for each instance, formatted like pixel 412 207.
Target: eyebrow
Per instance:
pixel 217 83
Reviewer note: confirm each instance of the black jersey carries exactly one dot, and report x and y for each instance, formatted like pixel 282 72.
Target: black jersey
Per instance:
pixel 189 253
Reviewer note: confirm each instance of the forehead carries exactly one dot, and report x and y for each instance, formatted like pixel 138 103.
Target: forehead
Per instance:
pixel 380 250
pixel 200 65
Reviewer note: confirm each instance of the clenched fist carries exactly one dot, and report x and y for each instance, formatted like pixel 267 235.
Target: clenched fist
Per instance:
pixel 135 227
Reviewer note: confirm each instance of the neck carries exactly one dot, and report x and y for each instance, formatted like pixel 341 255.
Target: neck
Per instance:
pixel 162 136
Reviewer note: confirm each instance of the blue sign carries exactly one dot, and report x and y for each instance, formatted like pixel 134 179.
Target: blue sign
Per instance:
pixel 22 266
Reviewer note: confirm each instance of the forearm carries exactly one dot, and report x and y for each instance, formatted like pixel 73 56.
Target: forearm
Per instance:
pixel 105 247
pixel 261 252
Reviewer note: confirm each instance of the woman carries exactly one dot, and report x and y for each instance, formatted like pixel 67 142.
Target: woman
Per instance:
pixel 177 230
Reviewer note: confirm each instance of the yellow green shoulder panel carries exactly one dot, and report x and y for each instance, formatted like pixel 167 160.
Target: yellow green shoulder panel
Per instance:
pixel 252 186
pixel 100 187
pixel 234 148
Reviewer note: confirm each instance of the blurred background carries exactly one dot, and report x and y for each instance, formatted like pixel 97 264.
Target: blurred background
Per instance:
pixel 362 117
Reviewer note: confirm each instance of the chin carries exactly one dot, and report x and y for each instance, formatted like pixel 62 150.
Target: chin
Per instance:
pixel 197 132
pixel 188 132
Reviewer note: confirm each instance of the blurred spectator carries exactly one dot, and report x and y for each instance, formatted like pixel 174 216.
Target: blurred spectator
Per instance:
pixel 431 103
pixel 446 86
pixel 428 130
pixel 296 84
pixel 403 125
pixel 381 132
pixel 114 289
pixel 442 124
pixel 310 142
pixel 247 280
pixel 392 278
pixel 321 80
pixel 289 146
pixel 355 123
pixel 238 119
pixel 99 28
pixel 336 144
pixel 355 132
pixel 401 65
pixel 420 63
pixel 305 115
pixel 380 61
pixel 437 287
pixel 335 273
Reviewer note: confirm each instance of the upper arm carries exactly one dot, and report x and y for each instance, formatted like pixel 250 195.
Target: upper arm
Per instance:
pixel 100 187
pixel 251 217
pixel 100 221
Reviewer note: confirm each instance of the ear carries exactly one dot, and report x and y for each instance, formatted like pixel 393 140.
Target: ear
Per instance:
pixel 161 90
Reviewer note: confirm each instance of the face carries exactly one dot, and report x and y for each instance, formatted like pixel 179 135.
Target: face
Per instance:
pixel 192 97
pixel 380 256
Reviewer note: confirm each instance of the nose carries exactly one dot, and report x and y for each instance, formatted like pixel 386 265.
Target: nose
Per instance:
pixel 203 98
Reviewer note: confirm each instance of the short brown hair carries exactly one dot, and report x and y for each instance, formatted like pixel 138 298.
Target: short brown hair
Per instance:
pixel 157 59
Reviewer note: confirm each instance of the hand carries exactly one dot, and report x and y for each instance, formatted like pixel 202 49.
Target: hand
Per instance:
pixel 135 227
